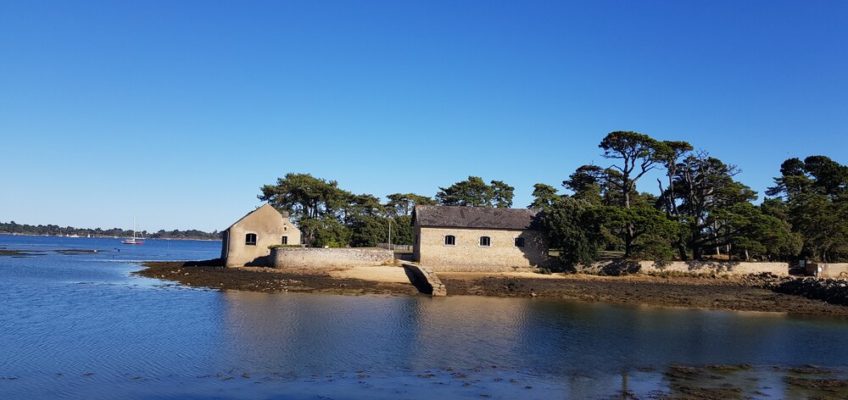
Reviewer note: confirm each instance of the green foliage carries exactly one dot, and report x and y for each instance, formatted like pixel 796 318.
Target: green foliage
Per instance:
pixel 754 234
pixel 813 198
pixel 368 230
pixel 701 209
pixel 325 232
pixel 402 230
pixel 501 194
pixel 544 196
pixel 304 196
pixel 574 227
pixel 474 192
pixel 637 154
pixel 330 216
pixel 704 188
pixel 589 183
pixel 653 232
pixel 402 204
pixel 56 230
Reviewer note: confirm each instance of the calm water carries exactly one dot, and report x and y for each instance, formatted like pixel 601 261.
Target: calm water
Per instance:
pixel 81 326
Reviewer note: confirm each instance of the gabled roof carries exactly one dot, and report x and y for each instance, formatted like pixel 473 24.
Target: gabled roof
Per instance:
pixel 475 217
pixel 264 206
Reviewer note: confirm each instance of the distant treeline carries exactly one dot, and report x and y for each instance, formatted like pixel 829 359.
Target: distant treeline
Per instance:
pixel 55 230
pixel 700 212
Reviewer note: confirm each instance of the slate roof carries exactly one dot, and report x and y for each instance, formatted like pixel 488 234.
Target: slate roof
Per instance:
pixel 476 217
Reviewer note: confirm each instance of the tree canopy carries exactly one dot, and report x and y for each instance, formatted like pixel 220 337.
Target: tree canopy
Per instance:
pixel 701 211
pixel 330 216
pixel 474 192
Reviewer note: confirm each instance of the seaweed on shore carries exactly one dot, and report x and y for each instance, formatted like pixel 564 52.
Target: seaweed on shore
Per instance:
pixel 77 251
pixel 19 253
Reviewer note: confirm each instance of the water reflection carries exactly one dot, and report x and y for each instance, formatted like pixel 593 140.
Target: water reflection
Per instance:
pixel 301 332
pixel 80 326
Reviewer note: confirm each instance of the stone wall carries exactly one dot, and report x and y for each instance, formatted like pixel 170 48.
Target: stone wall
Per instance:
pixel 467 255
pixel 318 258
pixel 690 267
pixel 828 270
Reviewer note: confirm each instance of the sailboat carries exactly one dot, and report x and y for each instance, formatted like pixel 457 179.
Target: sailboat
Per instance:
pixel 133 239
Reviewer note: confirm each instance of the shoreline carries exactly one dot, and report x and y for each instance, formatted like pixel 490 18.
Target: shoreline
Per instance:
pixel 749 293
pixel 102 237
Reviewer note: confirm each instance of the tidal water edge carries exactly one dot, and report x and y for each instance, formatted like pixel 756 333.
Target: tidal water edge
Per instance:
pixel 78 324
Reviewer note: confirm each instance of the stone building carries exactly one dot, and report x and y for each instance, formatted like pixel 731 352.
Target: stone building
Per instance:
pixel 451 238
pixel 248 241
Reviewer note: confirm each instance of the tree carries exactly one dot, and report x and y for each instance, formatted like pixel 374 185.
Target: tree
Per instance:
pixel 474 192
pixel 402 230
pixel 501 194
pixel 368 230
pixel 653 232
pixel 638 154
pixel 814 194
pixel 669 155
pixel 752 233
pixel 325 231
pixel 574 228
pixel 704 185
pixel 304 196
pixel 588 182
pixel 402 204
pixel 544 196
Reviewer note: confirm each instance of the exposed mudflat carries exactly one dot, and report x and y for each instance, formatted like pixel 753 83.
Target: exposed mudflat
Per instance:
pixel 739 294
pixel 268 280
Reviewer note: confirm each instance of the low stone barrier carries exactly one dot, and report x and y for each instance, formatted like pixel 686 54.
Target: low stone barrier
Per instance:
pixel 718 267
pixel 828 270
pixel 320 258
pixel 479 268
pixel 688 267
pixel 425 279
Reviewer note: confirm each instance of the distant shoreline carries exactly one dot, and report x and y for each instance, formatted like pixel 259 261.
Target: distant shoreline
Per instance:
pixel 102 237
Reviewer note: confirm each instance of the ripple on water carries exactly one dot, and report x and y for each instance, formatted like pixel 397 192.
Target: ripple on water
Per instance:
pixel 74 328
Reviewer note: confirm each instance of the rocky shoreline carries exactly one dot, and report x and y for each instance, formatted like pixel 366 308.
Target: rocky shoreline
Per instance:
pixel 763 293
pixel 833 291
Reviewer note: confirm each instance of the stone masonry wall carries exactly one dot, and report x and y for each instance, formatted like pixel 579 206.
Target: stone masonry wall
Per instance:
pixel 318 258
pixel 468 256
pixel 828 270
pixel 691 267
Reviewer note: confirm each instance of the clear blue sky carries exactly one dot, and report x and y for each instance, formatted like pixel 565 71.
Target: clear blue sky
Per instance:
pixel 177 112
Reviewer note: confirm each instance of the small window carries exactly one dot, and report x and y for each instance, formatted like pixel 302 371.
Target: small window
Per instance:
pixel 519 242
pixel 450 240
pixel 250 239
pixel 285 240
pixel 485 241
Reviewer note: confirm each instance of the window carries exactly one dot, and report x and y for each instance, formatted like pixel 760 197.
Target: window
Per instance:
pixel 519 242
pixel 285 240
pixel 450 240
pixel 250 239
pixel 485 241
